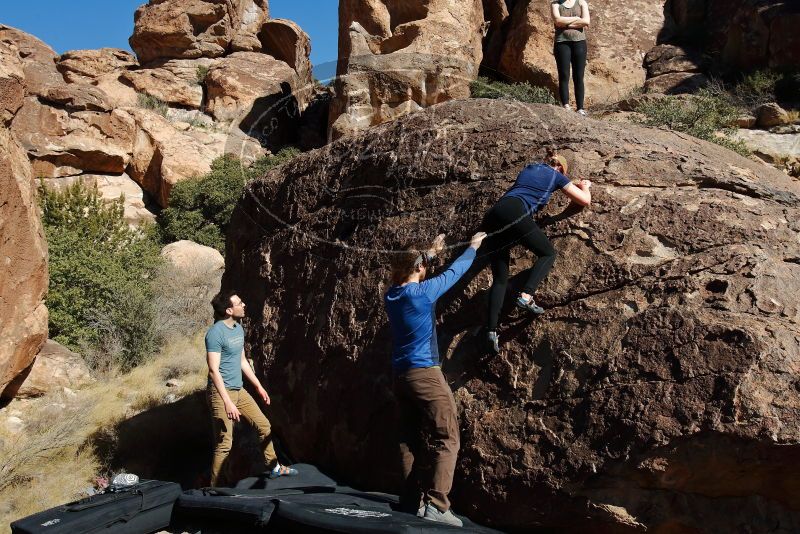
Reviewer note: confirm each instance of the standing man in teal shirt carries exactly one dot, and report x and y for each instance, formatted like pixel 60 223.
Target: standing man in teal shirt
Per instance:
pixel 228 399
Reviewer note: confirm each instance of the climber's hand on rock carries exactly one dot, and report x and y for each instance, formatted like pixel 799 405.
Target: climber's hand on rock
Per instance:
pixel 438 245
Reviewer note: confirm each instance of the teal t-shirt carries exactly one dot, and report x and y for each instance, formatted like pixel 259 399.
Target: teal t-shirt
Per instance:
pixel 229 342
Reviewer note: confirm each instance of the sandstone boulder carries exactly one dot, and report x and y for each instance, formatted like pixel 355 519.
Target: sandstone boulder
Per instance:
pixel 676 83
pixel 398 57
pixel 38 60
pixel 258 93
pixel 162 155
pixel 23 255
pixel 286 41
pixel 176 82
pixel 737 34
pixel 771 114
pixel 190 29
pixel 12 82
pixel 56 367
pixel 659 391
pixel 64 143
pixel 780 149
pixel 87 66
pixel 196 269
pixel 618 38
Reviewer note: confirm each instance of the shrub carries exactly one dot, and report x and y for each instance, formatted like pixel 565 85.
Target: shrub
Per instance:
pixel 702 115
pixel 100 296
pixel 756 88
pixel 200 209
pixel 151 102
pixel 524 92
pixel 201 74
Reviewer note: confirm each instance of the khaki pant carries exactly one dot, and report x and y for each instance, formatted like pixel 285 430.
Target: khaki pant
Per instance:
pixel 429 438
pixel 223 427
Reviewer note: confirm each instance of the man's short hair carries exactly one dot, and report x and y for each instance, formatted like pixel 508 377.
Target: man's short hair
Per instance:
pixel 405 262
pixel 221 302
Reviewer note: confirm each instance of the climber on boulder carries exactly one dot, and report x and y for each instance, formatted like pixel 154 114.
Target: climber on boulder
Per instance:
pixel 424 398
pixel 510 222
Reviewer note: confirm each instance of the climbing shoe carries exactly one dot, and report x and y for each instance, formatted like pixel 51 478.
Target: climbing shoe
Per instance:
pixel 492 342
pixel 529 305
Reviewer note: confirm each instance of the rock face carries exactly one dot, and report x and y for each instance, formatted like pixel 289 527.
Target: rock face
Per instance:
pixel 23 255
pixel 202 266
pixel 55 367
pixel 660 389
pixel 673 70
pixel 192 29
pixel 521 47
pixel 397 57
pixel 735 35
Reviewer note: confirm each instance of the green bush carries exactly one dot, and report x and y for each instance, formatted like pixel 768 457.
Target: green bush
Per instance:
pixel 201 74
pixel 702 115
pixel 756 88
pixel 100 295
pixel 200 209
pixel 148 101
pixel 524 92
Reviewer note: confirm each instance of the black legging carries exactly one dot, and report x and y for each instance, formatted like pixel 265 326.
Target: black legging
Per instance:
pixel 571 53
pixel 509 223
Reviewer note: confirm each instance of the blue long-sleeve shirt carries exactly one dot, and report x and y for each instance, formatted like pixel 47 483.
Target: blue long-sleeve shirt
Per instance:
pixel 412 316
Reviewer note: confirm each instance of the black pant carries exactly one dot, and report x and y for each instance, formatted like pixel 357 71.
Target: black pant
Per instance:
pixel 571 53
pixel 509 223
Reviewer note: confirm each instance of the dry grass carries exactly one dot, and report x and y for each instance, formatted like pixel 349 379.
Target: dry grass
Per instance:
pixel 51 462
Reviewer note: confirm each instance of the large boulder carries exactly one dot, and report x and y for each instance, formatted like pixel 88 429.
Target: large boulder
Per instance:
pixel 190 29
pixel 38 60
pixel 737 34
pixel 658 392
pixel 55 368
pixel 23 255
pixel 618 38
pixel 68 142
pixel 286 41
pixel 260 94
pixel 176 82
pixel 396 57
pixel 162 155
pixel 195 266
pixel 103 68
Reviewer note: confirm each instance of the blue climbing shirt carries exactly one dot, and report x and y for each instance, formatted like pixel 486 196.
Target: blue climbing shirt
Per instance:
pixel 412 316
pixel 534 185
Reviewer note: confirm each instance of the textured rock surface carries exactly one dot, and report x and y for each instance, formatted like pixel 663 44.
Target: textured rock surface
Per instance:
pixel 88 66
pixel 737 34
pixel 659 390
pixel 244 86
pixel 175 82
pixel 38 59
pixel 398 57
pixel 771 114
pixel 55 367
pixel 618 38
pixel 162 155
pixel 23 256
pixel 195 266
pixel 782 150
pixel 286 41
pixel 190 29
pixel 12 81
pixel 64 143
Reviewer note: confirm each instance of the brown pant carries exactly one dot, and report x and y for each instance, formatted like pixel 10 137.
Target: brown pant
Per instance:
pixel 223 427
pixel 429 439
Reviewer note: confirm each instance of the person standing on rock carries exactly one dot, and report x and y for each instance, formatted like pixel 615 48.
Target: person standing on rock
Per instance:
pixel 510 222
pixel 570 18
pixel 227 397
pixel 428 429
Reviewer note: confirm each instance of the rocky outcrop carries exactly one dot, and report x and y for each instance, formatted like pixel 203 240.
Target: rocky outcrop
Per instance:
pixel 193 29
pixel 23 255
pixel 665 360
pixel 734 36
pixel 103 69
pixel 38 60
pixel 12 82
pixel 673 70
pixel 618 38
pixel 399 57
pixel 56 367
pixel 177 82
pixel 162 156
pixel 286 41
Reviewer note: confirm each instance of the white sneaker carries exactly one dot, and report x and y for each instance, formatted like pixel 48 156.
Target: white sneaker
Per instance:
pixel 567 107
pixel 582 112
pixel 433 514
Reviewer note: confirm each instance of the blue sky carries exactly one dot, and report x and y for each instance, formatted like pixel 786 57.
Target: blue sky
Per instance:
pixel 79 24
